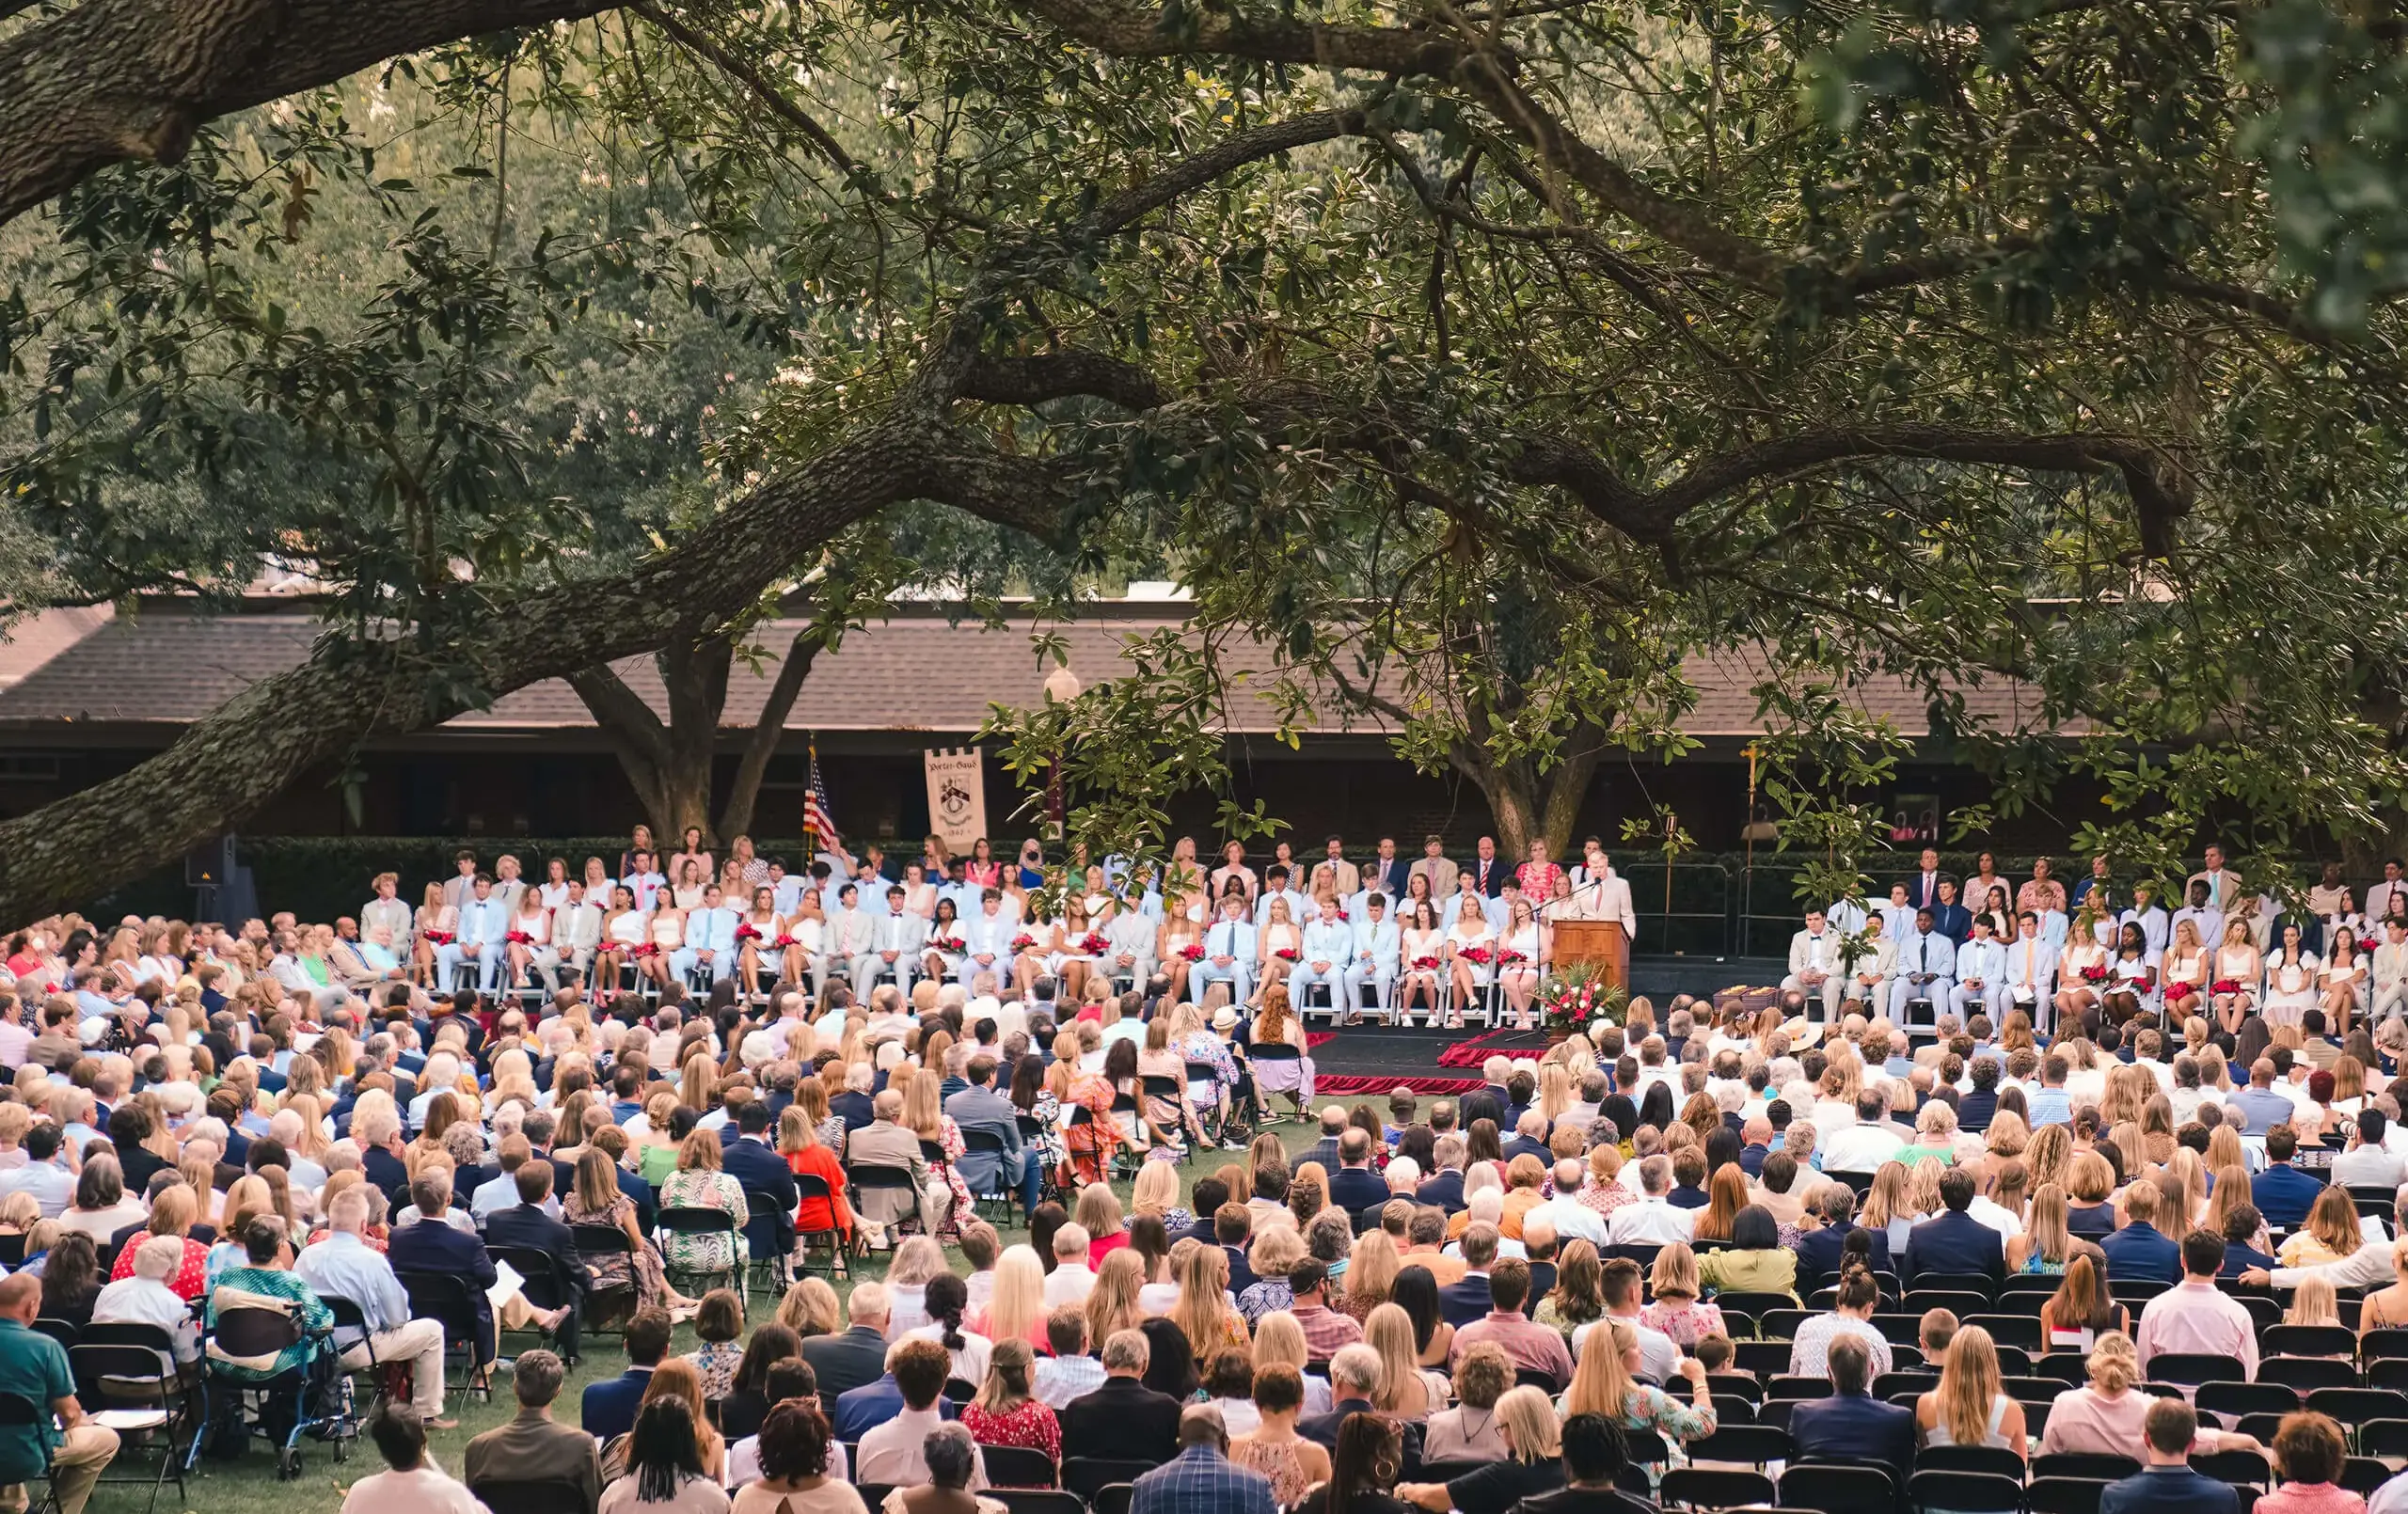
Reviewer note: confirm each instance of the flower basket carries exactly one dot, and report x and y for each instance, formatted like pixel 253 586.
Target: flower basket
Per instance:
pixel 1578 998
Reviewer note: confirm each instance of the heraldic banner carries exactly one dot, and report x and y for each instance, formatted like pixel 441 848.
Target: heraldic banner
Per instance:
pixel 957 796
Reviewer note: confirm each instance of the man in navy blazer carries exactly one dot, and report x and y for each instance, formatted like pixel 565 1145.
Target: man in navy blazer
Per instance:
pixel 432 1244
pixel 1446 1189
pixel 526 1224
pixel 1852 1424
pixel 608 1408
pixel 1355 1185
pixel 1949 917
pixel 1818 1251
pixel 1470 1301
pixel 754 1162
pixel 2140 1252
pixel 1954 1243
pixel 2282 1192
pixel 2167 1485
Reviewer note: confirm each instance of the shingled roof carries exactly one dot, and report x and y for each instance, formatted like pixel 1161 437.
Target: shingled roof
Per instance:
pixel 917 672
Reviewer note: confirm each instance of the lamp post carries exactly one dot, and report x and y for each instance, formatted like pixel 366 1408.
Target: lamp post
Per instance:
pixel 1062 686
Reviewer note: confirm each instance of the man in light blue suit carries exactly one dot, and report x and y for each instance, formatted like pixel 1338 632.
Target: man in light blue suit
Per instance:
pixel 710 938
pixel 987 935
pixel 1378 946
pixel 1229 953
pixel 484 924
pixel 1328 944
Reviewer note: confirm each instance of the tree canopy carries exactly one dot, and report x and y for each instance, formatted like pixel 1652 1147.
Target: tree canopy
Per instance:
pixel 1483 360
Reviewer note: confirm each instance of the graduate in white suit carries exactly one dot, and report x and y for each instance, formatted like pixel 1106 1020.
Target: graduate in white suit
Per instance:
pixel 895 942
pixel 1866 980
pixel 484 927
pixel 1814 962
pixel 576 932
pixel 1981 971
pixel 1373 957
pixel 2031 970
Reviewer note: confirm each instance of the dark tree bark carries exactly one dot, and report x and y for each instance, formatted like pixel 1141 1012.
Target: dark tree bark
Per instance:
pixel 668 763
pixel 116 79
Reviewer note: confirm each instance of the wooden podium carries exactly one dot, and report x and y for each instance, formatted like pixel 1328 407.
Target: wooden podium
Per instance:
pixel 1599 943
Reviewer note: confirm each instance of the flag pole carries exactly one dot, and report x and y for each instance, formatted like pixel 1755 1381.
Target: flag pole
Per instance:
pixel 810 810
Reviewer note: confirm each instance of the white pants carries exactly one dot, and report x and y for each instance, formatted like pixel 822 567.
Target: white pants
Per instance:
pixel 1301 975
pixel 542 965
pixel 965 972
pixel 2392 999
pixel 1990 996
pixel 1383 981
pixel 685 958
pixel 867 967
pixel 1874 996
pixel 1904 989
pixel 1236 975
pixel 1829 992
pixel 421 1343
pixel 489 962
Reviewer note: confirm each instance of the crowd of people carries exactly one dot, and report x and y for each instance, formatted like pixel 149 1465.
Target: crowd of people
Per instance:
pixel 1476 1304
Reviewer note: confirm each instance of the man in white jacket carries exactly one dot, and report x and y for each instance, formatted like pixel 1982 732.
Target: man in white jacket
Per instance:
pixel 1814 963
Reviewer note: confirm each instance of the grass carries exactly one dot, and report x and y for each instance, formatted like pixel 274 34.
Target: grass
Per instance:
pixel 249 1486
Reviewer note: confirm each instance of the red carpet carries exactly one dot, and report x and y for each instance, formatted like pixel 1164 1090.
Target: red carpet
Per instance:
pixel 1473 1052
pixel 1350 1083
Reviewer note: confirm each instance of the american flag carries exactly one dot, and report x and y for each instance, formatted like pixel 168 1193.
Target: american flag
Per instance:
pixel 817 828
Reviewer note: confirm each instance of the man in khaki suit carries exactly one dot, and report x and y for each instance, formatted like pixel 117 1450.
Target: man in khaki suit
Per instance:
pixel 1433 864
pixel 2390 974
pixel 883 1142
pixel 1349 877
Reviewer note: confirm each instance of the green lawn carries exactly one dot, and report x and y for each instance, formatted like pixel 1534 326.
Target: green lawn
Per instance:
pixel 250 1487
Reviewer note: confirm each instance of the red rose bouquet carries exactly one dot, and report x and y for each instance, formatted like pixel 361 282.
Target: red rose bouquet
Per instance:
pixel 1023 941
pixel 1193 951
pixel 2225 986
pixel 2176 992
pixel 1507 957
pixel 747 931
pixel 2096 972
pixel 785 941
pixel 1093 943
pixel 518 935
pixel 1285 954
pixel 1425 964
pixel 947 944
pixel 441 937
pixel 648 949
pixel 2368 943
pixel 1479 955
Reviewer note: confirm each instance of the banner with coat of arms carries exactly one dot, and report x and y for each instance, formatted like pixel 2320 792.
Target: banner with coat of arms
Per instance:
pixel 957 796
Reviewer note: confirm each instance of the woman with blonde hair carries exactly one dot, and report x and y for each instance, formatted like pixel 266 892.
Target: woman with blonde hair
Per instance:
pixel 2330 1234
pixel 2045 1245
pixel 2090 1184
pixel 2231 1193
pixel 1968 1408
pixel 1526 1423
pixel 1097 1213
pixel 1279 1341
pixel 1887 1206
pixel 2182 1182
pixel 1725 1196
pixel 1202 1312
pixel 1407 1391
pixel 1371 1268
pixel 1113 1304
pixel 1016 1305
pixel 811 1308
pixel 2007 1135
pixel 2106 1417
pixel 1676 1309
pixel 2080 1310
pixel 1606 1382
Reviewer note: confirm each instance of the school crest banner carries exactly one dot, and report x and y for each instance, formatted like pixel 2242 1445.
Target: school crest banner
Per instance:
pixel 957 796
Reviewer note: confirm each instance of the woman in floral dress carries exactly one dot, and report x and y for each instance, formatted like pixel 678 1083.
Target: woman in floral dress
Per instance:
pixel 924 1115
pixel 1089 1148
pixel 1033 1094
pixel 594 1199
pixel 699 1184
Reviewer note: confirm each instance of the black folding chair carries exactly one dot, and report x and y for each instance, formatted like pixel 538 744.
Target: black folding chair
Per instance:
pixel 1114 1499
pixel 1716 1487
pixel 62 1331
pixel 1833 1488
pixel 2357 1406
pixel 1788 1387
pixel 1001 1194
pixel 606 1302
pixel 2246 1398
pixel 1011 1466
pixel 2384 1438
pixel 1966 1492
pixel 1090 1475
pixel 761 1243
pixel 808 1186
pixel 2308 1340
pixel 1744 1443
pixel 2306 1373
pixel 2023 1331
pixel 451 1301
pixel 2362 1476
pixel 2085 1465
pixel 868 1176
pixel 2192 1368
pixel 2063 1496
pixel 701 1220
pixel 2246 1470
pixel 17 1411
pixel 1995 1460
pixel 1032 1500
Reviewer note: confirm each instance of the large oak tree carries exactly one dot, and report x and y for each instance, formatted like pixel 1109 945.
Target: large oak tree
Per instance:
pixel 1922 341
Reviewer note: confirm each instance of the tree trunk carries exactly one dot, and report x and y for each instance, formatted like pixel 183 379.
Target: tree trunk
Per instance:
pixel 273 735
pixel 1514 808
pixel 736 819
